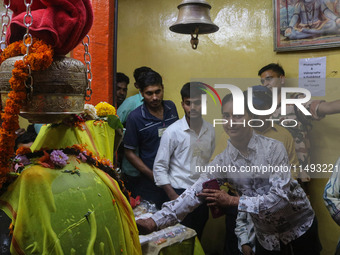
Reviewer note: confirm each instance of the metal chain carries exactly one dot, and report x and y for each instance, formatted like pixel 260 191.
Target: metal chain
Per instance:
pixel 28 21
pixel 87 59
pixel 5 20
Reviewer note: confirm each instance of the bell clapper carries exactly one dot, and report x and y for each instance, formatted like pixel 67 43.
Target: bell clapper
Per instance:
pixel 194 39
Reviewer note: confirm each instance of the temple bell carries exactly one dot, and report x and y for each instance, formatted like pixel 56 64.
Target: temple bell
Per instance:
pixel 194 19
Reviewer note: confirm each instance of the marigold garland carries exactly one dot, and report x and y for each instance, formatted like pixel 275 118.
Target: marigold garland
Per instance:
pixel 39 58
pixel 83 154
pixel 105 109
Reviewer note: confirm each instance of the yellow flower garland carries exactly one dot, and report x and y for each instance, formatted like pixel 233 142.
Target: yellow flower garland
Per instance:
pixel 105 109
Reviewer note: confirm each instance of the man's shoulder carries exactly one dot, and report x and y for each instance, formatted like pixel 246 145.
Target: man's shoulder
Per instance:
pixel 130 101
pixel 169 104
pixel 208 125
pixel 175 127
pixel 132 98
pixel 268 143
pixel 282 130
pixel 136 113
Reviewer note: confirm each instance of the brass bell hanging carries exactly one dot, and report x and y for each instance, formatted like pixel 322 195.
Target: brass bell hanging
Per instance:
pixel 194 19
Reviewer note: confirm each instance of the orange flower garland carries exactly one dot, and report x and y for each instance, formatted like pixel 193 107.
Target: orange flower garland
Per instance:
pixel 39 58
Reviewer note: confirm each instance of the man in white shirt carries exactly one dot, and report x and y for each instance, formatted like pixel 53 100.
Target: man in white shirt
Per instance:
pixel 187 143
pixel 283 218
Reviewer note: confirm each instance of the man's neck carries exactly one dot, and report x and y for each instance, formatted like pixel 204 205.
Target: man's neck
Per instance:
pixel 157 112
pixel 195 124
pixel 262 129
pixel 242 144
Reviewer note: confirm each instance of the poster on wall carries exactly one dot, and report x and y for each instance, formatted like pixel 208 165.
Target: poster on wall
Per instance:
pixel 306 24
pixel 312 75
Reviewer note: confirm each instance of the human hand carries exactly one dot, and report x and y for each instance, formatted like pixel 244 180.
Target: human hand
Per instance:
pixel 246 250
pixel 149 174
pixel 219 198
pixel 146 226
pixel 288 31
pixel 337 21
pixel 304 176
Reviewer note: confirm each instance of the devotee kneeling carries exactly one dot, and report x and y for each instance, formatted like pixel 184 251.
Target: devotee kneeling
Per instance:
pixel 284 220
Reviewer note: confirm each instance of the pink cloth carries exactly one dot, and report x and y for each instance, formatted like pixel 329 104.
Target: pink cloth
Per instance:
pixel 61 23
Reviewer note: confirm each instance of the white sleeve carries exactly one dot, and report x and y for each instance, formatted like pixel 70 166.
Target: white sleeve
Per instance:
pixel 241 229
pixel 331 194
pixel 162 161
pixel 174 211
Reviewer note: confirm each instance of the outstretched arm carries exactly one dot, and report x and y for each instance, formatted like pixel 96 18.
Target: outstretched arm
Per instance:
pixel 326 108
pixel 161 167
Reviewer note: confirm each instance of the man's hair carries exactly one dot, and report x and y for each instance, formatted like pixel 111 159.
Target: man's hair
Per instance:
pixel 192 89
pixel 273 67
pixel 122 78
pixel 150 78
pixel 229 97
pixel 262 97
pixel 137 74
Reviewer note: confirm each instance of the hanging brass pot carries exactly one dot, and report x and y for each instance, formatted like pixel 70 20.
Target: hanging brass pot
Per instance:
pixel 57 91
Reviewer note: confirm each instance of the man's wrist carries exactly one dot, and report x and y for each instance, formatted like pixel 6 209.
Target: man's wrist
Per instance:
pixel 235 201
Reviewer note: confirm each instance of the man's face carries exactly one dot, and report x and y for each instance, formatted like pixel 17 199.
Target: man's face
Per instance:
pixel 235 131
pixel 121 92
pixel 271 79
pixel 192 107
pixel 153 96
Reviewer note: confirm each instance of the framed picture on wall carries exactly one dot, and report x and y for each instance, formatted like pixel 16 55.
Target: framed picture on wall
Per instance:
pixel 306 24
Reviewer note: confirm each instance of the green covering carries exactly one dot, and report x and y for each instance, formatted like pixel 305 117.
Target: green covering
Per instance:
pixel 56 212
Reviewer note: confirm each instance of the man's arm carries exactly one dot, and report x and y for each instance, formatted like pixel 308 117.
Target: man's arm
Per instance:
pixel 241 231
pixel 331 194
pixel 162 164
pixel 171 193
pixel 131 143
pixel 138 163
pixel 326 108
pixel 174 211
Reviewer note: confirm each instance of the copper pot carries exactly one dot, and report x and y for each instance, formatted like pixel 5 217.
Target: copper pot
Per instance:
pixel 57 91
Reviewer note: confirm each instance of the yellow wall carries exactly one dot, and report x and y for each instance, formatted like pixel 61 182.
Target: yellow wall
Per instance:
pixel 243 45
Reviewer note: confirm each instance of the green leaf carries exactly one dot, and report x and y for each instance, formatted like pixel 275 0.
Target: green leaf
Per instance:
pixel 114 122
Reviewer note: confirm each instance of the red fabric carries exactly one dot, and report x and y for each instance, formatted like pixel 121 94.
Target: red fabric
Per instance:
pixel 134 201
pixel 61 23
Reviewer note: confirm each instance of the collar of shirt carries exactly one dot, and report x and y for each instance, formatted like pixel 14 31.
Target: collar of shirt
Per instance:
pixel 147 115
pixel 234 153
pixel 185 126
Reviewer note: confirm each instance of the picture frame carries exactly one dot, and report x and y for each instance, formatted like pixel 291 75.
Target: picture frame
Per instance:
pixel 306 24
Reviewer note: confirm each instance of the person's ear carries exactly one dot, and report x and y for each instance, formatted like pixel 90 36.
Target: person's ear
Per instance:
pixel 282 78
